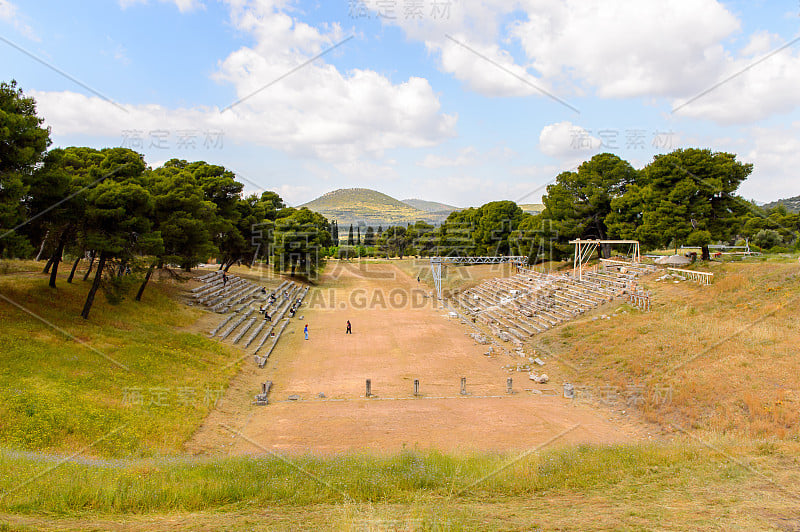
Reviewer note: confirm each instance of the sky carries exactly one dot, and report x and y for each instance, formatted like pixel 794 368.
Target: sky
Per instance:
pixel 457 101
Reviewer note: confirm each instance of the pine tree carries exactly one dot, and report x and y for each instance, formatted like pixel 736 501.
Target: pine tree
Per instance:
pixel 369 237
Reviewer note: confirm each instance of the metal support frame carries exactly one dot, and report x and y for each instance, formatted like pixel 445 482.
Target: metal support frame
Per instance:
pixel 585 248
pixel 436 270
pixel 725 248
pixel 436 265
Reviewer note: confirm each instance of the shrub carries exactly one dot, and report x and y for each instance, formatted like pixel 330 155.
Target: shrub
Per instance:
pixel 767 238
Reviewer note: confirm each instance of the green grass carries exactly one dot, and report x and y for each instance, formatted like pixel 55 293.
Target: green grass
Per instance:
pixel 142 386
pixel 58 396
pixel 149 487
pixel 679 485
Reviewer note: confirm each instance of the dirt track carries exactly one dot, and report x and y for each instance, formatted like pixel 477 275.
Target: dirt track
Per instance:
pixel 398 335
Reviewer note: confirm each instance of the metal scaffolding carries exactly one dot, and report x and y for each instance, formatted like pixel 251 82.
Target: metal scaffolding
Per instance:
pixel 436 265
pixel 585 248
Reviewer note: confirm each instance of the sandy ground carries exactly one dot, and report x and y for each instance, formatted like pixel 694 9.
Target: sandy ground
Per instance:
pixel 399 334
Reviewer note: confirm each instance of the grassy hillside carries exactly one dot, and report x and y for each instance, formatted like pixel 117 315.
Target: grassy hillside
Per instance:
pixel 792 204
pixel 354 205
pixel 724 356
pixel 370 207
pixel 135 379
pixel 532 208
pixel 430 206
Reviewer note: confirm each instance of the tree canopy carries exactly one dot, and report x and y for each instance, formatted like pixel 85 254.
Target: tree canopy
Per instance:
pixel 107 204
pixel 23 143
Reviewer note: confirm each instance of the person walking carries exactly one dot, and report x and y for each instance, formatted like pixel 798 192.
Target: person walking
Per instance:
pixel 305 330
pixel 349 328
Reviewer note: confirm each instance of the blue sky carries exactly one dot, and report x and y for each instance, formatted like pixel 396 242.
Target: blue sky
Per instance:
pixel 459 101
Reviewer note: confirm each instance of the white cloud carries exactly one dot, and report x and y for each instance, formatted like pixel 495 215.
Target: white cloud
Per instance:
pixel 761 42
pixel 650 48
pixel 775 155
pixel 479 72
pixel 566 141
pixel 615 49
pixel 468 190
pixel 675 50
pixel 10 13
pixel 294 195
pixel 317 111
pixel 757 89
pixel 474 24
pixel 619 49
pixel 362 173
pixel 183 6
pixel 465 157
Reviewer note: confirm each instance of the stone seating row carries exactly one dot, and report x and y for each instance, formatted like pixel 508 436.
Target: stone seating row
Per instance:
pixel 532 302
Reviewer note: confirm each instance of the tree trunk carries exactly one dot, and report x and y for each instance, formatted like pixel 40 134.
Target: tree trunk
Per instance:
pixel 74 267
pixel 47 266
pixel 706 254
pixel 57 257
pixel 41 248
pixel 144 283
pixel 91 263
pixel 98 277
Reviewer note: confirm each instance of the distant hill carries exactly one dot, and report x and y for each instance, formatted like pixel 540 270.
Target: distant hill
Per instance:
pixel 531 208
pixel 363 206
pixel 430 206
pixel 793 204
pixel 370 207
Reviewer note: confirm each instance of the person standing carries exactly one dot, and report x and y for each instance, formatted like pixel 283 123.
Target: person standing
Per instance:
pixel 349 329
pixel 305 330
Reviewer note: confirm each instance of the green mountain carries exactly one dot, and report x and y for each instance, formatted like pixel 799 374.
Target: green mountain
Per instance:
pixel 363 206
pixel 792 204
pixel 368 207
pixel 430 206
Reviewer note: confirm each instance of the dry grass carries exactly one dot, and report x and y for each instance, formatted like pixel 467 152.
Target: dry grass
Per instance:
pixel 727 352
pixel 454 278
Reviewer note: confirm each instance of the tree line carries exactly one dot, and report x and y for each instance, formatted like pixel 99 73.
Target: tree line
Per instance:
pixel 684 198
pixel 108 206
pixel 687 197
